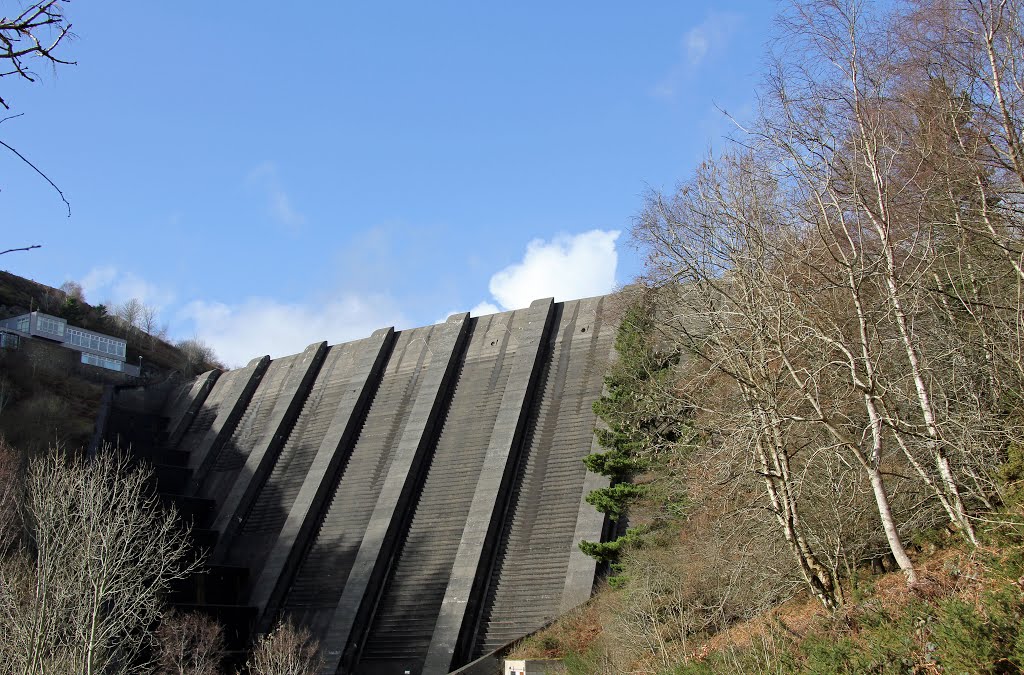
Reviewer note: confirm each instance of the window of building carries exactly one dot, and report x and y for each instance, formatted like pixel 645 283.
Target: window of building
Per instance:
pixel 23 324
pixel 102 362
pixel 45 324
pixel 97 343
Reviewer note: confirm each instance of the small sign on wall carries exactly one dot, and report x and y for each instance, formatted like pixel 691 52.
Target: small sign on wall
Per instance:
pixel 533 666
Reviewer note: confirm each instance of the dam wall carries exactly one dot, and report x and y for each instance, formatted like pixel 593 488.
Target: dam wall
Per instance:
pixel 415 498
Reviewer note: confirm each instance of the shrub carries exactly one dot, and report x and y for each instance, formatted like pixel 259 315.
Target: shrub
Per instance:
pixel 286 650
pixel 189 644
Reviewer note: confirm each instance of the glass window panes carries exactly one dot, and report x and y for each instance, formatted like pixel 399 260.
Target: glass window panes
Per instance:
pixel 109 364
pixel 97 343
pixel 45 324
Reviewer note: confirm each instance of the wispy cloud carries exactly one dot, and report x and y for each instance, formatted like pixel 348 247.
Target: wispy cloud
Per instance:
pixel 257 326
pixel 566 267
pixel 253 326
pixel 709 37
pixel 266 177
pixel 109 285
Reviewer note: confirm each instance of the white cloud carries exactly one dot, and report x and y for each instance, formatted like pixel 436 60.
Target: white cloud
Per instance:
pixel 480 309
pixel 109 285
pixel 566 268
pixel 266 177
pixel 97 281
pixel 484 308
pixel 258 326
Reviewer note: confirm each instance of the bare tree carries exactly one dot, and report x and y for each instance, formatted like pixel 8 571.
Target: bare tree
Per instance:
pixel 129 313
pixel 712 244
pixel 35 33
pixel 197 355
pixel 149 323
pixel 73 289
pixel 286 650
pixel 148 320
pixel 83 594
pixel 853 264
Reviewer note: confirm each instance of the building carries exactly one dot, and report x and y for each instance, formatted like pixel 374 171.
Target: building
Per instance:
pixel 9 339
pixel 97 349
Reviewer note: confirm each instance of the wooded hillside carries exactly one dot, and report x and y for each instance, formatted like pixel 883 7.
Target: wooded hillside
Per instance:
pixel 821 379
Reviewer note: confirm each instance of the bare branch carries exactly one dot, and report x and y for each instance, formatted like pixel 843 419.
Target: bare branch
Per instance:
pixel 39 171
pixel 24 248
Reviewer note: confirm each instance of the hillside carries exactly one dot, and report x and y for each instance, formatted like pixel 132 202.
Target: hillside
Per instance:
pixel 965 619
pixel 700 580
pixel 19 295
pixel 46 397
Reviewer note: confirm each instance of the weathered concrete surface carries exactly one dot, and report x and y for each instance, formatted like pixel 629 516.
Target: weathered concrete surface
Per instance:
pixel 227 402
pixel 226 461
pixel 260 460
pixel 341 395
pixel 182 408
pixel 382 531
pixel 315 589
pixel 414 498
pixel 534 549
pixel 590 523
pixel 485 511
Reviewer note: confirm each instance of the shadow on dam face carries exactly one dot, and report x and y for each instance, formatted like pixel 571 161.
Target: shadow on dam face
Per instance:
pixel 415 498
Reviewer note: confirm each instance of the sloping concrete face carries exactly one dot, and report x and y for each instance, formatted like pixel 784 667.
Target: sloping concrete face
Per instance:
pixel 414 498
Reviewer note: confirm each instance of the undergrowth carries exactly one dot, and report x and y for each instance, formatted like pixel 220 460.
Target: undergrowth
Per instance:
pixel 967 616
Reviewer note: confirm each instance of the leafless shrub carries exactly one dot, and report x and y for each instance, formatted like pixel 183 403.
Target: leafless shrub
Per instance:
pixel 286 650
pixel 189 644
pixel 197 356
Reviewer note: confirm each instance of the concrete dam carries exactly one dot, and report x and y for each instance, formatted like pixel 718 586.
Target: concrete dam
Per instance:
pixel 414 498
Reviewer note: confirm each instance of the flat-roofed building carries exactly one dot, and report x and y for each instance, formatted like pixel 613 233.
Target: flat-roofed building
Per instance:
pixel 97 349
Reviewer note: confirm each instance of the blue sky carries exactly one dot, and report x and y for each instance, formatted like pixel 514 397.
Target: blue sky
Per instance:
pixel 269 177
